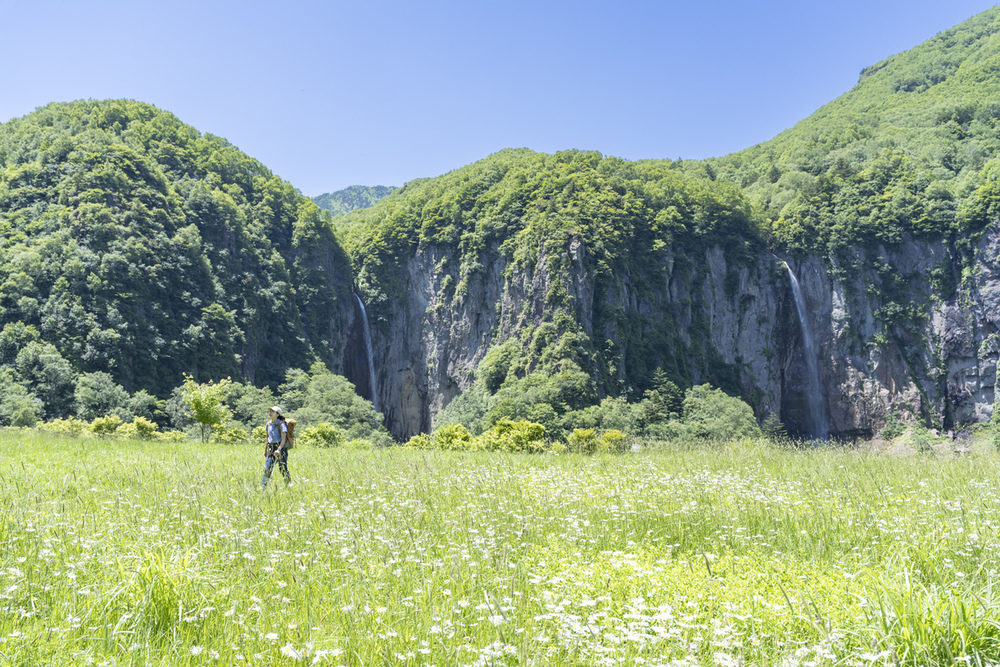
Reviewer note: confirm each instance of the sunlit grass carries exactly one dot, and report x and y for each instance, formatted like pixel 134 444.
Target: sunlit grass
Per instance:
pixel 154 553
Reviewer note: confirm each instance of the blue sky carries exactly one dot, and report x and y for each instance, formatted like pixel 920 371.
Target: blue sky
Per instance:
pixel 331 94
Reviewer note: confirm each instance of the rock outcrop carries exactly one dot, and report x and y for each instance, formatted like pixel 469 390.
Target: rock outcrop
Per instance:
pixel 937 361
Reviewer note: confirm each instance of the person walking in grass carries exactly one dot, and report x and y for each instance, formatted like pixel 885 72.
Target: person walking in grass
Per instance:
pixel 276 449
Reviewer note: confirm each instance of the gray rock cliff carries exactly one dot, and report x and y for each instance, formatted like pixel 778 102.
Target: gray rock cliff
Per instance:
pixel 908 349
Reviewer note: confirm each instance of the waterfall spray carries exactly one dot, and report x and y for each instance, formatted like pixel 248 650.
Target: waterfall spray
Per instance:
pixel 814 392
pixel 368 350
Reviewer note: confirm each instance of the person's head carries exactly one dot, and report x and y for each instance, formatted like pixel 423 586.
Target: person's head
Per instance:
pixel 275 413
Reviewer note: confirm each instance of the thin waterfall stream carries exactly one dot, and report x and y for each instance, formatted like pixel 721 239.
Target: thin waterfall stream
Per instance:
pixel 814 391
pixel 368 350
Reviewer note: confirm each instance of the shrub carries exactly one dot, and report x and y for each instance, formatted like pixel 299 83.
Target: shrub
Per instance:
pixel 18 406
pixel 248 404
pixel 612 440
pixel 922 439
pixel 510 436
pixel 145 405
pixel 230 435
pixel 139 428
pixel 711 414
pixel 611 413
pixel 894 427
pixel 671 430
pixel 258 435
pixel 104 427
pixel 582 440
pixel 379 438
pixel 773 429
pixel 467 408
pixel 145 428
pixel 70 427
pixel 586 441
pixel 452 437
pixel 420 441
pixel 323 434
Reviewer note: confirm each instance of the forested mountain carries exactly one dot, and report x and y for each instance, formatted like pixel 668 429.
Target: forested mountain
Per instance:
pixel 559 288
pixel 354 197
pixel 523 272
pixel 133 244
pixel 906 152
pixel 529 285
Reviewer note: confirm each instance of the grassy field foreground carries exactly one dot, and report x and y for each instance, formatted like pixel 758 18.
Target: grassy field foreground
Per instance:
pixel 130 553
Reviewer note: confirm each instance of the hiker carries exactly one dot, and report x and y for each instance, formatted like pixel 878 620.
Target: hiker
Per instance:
pixel 276 449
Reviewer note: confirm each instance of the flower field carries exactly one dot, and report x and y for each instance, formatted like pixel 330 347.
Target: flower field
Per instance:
pixel 131 553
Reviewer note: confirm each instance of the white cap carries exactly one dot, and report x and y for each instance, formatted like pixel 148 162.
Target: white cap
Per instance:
pixel 275 408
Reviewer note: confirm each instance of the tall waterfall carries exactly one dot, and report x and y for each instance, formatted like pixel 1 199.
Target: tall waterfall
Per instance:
pixel 368 350
pixel 814 392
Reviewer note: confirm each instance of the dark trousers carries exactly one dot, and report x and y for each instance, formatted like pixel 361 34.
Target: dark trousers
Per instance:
pixel 270 459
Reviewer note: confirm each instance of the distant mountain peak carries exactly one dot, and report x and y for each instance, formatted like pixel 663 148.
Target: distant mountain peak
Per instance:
pixel 352 198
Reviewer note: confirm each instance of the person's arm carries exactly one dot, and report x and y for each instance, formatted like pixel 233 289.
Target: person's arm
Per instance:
pixel 283 427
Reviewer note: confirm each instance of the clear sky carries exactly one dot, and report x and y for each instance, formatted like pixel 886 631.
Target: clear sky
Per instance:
pixel 330 94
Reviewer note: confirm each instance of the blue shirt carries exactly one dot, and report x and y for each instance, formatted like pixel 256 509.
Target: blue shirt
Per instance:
pixel 274 431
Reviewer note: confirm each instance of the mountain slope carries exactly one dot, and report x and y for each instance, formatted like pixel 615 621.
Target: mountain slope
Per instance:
pixel 902 153
pixel 138 246
pixel 571 277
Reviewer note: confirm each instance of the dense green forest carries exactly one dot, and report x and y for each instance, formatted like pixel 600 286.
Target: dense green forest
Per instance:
pixel 908 151
pixel 354 197
pixel 628 213
pixel 135 246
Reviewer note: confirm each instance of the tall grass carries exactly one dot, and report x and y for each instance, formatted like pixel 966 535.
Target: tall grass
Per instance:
pixel 151 553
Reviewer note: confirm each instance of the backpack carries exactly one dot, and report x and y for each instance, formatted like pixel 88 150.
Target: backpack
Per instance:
pixel 290 436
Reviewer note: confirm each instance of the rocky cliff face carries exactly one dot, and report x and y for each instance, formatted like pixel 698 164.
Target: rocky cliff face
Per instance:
pixel 944 366
pixel 941 364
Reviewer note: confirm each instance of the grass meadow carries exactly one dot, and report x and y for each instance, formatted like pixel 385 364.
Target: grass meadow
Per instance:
pixel 132 553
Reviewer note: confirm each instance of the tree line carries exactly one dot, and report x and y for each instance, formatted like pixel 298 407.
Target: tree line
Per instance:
pixel 226 410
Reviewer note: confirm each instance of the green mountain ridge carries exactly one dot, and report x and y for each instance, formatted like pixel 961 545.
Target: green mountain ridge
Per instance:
pixel 135 245
pixel 902 153
pixel 353 197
